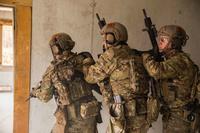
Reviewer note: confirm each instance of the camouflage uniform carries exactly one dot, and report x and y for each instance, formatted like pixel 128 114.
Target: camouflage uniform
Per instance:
pixel 77 108
pixel 126 79
pixel 175 76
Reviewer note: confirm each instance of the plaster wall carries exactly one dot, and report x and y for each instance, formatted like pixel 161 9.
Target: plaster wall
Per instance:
pixel 77 18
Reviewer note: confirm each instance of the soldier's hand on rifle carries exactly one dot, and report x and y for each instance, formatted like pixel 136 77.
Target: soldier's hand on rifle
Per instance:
pixel 31 95
pixel 33 92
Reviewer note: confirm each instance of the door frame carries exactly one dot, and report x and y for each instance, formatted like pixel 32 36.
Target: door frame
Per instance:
pixel 22 61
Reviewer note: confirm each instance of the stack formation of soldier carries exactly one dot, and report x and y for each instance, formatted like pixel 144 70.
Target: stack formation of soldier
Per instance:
pixel 123 76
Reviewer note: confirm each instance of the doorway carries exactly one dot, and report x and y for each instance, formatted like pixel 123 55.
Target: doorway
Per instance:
pixel 22 49
pixel 6 69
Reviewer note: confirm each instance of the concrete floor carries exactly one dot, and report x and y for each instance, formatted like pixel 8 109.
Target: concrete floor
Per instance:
pixel 6 112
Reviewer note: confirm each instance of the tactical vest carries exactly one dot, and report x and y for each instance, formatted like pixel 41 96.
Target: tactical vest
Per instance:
pixel 139 78
pixel 72 92
pixel 131 81
pixel 69 83
pixel 196 85
pixel 130 77
pixel 177 92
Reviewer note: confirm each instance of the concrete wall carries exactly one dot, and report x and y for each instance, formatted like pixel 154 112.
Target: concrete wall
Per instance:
pixel 77 17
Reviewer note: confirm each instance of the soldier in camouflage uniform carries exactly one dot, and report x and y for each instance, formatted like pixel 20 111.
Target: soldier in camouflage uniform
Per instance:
pixel 175 76
pixel 125 81
pixel 77 108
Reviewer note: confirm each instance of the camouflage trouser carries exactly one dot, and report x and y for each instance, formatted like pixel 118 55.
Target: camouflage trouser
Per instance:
pixel 77 126
pixel 173 123
pixel 137 124
pixel 143 129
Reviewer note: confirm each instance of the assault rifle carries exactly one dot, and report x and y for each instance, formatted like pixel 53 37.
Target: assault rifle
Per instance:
pixel 30 96
pixel 151 29
pixel 101 23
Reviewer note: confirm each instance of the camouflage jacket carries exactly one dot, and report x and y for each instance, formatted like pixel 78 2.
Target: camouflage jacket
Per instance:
pixel 176 76
pixel 64 79
pixel 114 64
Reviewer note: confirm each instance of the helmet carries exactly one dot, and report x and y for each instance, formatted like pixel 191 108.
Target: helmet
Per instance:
pixel 115 33
pixel 63 41
pixel 176 34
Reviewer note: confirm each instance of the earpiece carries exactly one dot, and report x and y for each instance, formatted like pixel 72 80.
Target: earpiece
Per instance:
pixel 110 38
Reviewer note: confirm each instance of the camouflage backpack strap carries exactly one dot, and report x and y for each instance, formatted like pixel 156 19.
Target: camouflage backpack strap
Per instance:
pixel 193 107
pixel 63 73
pixel 195 93
pixel 66 62
pixel 140 81
pixel 198 87
pixel 138 73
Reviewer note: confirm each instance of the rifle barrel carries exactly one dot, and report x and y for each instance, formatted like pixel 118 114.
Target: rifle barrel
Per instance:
pixel 144 12
pixel 98 16
pixel 28 99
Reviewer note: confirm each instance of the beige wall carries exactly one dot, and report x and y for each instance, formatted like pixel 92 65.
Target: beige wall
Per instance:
pixel 77 17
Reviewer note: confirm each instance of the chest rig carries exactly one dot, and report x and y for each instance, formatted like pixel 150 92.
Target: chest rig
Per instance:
pixel 69 83
pixel 178 91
